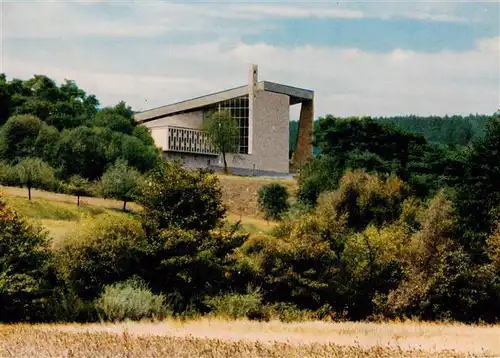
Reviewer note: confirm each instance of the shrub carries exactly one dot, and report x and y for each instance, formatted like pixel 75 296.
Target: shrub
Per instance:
pixel 175 197
pixel 189 265
pixel 105 249
pixel 367 198
pixel 24 269
pixel 131 300
pixel 273 200
pixel 235 305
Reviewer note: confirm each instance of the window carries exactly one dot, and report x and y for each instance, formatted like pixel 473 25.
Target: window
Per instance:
pixel 239 110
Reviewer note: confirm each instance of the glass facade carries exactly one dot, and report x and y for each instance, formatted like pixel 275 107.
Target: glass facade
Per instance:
pixel 239 109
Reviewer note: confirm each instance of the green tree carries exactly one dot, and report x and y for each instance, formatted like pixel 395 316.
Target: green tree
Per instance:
pixel 78 186
pixel 273 199
pixel 120 182
pixel 175 197
pixel 223 131
pixel 83 151
pixel 35 173
pixel 477 194
pixel 18 136
pixel 24 269
pixel 45 146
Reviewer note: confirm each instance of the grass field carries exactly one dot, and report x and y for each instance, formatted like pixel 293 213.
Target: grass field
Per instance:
pixel 216 338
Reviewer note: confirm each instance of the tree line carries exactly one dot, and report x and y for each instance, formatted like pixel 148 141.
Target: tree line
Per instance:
pixel 56 137
pixel 449 130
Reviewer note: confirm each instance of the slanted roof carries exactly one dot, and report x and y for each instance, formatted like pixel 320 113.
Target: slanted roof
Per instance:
pixel 297 95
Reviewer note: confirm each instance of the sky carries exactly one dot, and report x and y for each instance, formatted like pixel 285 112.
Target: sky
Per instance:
pixel 362 58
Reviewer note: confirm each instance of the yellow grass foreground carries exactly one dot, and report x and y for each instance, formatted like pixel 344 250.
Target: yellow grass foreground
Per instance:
pixel 217 338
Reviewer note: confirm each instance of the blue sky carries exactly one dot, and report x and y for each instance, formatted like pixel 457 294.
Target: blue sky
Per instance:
pixel 360 58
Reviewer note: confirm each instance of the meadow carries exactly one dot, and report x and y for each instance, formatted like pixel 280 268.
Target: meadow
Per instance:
pixel 59 214
pixel 219 338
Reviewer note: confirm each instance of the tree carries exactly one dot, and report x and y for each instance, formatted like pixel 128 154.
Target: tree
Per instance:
pixel 24 258
pixel 35 173
pixel 273 199
pixel 120 182
pixel 175 197
pixel 18 137
pixel 78 186
pixel 224 132
pixel 477 194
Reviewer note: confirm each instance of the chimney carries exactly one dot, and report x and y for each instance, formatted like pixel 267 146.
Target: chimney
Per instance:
pixel 253 76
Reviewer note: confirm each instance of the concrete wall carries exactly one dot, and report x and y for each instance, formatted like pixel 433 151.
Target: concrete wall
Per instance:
pixel 189 120
pixel 192 161
pixel 304 147
pixel 271 131
pixel 271 117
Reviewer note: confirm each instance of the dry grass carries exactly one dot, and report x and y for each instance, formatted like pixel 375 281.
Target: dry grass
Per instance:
pixel 216 338
pixel 59 214
pixel 63 198
pixel 240 193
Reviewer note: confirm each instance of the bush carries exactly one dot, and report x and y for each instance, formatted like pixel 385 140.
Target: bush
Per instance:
pixel 234 305
pixel 367 198
pixel 106 249
pixel 132 300
pixel 189 265
pixel 175 197
pixel 24 269
pixel 273 200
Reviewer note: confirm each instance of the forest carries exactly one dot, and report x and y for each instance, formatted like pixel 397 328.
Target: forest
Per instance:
pixel 449 130
pixel 388 223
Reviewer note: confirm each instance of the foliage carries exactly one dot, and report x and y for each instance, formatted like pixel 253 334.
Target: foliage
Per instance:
pixel 375 147
pixel 273 200
pixel 367 198
pixel 236 305
pixel 120 182
pixel 477 194
pixel 130 300
pixel 105 249
pixel 8 175
pixel 188 266
pixel 34 173
pixel 18 137
pixel 175 197
pixel 448 130
pixel 319 175
pixel 78 186
pixel 24 269
pixel 64 127
pixel 223 131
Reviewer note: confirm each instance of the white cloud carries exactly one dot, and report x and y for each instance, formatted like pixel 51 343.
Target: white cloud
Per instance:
pixel 345 81
pixel 288 11
pixel 56 19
